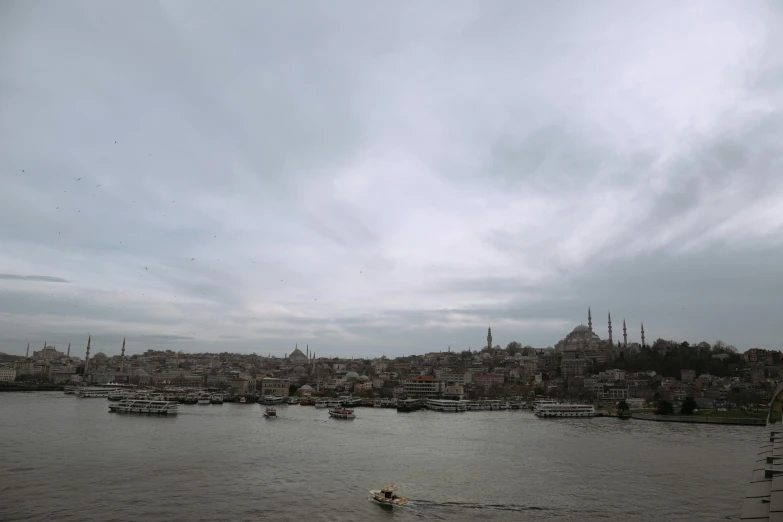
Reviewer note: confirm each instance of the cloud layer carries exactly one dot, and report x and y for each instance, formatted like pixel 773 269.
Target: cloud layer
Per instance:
pixel 376 179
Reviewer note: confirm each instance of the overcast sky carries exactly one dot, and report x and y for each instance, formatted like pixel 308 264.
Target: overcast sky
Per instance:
pixel 388 178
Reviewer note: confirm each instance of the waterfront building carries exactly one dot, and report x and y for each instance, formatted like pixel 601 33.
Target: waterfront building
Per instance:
pixel 275 387
pixel 239 386
pixel 7 374
pixel 422 386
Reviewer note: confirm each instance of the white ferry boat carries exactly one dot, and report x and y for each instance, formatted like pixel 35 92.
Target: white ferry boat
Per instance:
pixel 542 402
pixel 146 407
pixel 446 406
pixel 269 399
pixel 203 399
pixel 342 413
pixel 216 399
pixel 86 393
pixel 321 403
pixel 566 410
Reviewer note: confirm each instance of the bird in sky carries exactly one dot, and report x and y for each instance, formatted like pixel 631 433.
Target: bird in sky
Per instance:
pixel 78 179
pixel 192 258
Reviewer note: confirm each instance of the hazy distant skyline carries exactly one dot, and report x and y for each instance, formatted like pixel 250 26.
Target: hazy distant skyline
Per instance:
pixel 379 178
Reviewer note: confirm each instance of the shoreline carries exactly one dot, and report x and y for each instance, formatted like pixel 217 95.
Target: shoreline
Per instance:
pixel 694 419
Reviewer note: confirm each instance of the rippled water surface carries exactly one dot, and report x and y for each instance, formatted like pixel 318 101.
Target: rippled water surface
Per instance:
pixel 68 459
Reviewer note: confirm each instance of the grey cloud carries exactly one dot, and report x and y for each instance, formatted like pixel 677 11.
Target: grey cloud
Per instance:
pixel 45 279
pixel 368 182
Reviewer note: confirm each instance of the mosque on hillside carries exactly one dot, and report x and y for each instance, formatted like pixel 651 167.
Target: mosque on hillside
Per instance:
pixel 584 339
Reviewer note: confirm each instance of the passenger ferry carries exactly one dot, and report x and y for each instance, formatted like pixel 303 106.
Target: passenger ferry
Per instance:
pixel 409 405
pixel 342 413
pixel 566 410
pixel 348 401
pixel 446 406
pixel 542 402
pixel 145 407
pixel 269 399
pixel 86 393
pixel 321 403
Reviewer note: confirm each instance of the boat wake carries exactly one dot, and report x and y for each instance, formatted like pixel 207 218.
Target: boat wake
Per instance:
pixel 476 505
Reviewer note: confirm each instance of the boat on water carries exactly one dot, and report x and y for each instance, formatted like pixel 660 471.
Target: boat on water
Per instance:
pixel 307 402
pixel 387 496
pixel 566 410
pixel 446 406
pixel 93 392
pixel 216 399
pixel 333 403
pixel 409 405
pixel 350 402
pixel 269 399
pixel 118 395
pixel 321 403
pixel 542 402
pixel 341 413
pixel 203 399
pixel 293 400
pixel 242 400
pixel 270 412
pixel 144 407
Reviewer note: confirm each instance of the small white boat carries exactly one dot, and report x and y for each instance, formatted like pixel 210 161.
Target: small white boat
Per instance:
pixel 270 412
pixel 242 400
pixel 342 413
pixel 387 496
pixel 216 399
pixel 321 403
pixel 203 399
pixel 293 400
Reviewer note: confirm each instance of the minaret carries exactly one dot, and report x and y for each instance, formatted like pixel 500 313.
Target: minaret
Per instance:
pixel 610 328
pixel 27 355
pixel 643 335
pixel 489 338
pixel 87 359
pixel 122 358
pixel 625 336
pixel 69 350
pixel 589 319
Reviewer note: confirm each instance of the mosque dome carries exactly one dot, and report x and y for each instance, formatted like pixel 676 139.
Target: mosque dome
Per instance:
pixel 351 375
pixel 364 378
pixel 580 328
pixel 300 369
pixel 100 356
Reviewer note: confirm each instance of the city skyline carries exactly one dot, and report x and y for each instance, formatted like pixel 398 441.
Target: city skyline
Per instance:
pixel 353 178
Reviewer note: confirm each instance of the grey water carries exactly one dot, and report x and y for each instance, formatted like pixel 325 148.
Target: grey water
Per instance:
pixel 69 459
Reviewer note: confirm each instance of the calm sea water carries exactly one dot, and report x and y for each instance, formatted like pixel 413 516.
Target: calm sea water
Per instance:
pixel 68 459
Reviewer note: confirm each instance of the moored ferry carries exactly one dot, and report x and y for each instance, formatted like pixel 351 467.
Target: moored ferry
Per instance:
pixel 566 410
pixel 406 405
pixel 144 407
pixel 446 406
pixel 542 402
pixel 93 392
pixel 269 399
